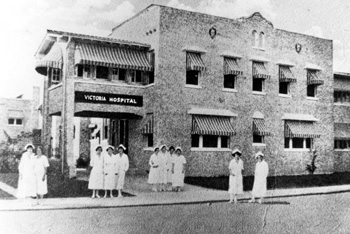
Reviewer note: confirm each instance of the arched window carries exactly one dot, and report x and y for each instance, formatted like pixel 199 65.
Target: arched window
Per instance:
pixel 255 38
pixel 262 40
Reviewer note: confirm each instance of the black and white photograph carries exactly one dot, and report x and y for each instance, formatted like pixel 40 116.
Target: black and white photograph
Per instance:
pixel 175 116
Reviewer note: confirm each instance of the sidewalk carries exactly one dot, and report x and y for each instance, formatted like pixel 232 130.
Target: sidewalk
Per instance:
pixel 191 195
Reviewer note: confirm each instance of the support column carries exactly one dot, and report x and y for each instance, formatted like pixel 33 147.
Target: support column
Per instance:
pixel 69 163
pixel 46 121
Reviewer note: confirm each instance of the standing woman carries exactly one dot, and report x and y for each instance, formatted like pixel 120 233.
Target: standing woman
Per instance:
pixel 170 157
pixel 121 169
pixel 96 175
pixel 109 169
pixel 26 181
pixel 163 154
pixel 40 168
pixel 153 177
pixel 178 170
pixel 236 179
pixel 261 172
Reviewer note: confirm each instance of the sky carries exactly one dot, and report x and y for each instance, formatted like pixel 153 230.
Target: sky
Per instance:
pixel 24 23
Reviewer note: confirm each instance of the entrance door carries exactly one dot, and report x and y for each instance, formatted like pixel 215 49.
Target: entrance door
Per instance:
pixel 120 133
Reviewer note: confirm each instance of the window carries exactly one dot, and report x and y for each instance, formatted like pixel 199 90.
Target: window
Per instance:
pixel 209 141
pixel 55 76
pixel 105 132
pixel 311 90
pixel 258 139
pixel 151 77
pixel 230 81
pixel 255 38
pixel 122 74
pixel 342 144
pixel 149 140
pixel 136 76
pixel 262 40
pixel 297 143
pixel 342 96
pixel 258 85
pixel 83 71
pixel 102 72
pixel 192 77
pixel 14 121
pixel 284 87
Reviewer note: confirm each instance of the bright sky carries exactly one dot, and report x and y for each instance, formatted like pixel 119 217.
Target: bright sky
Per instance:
pixel 24 23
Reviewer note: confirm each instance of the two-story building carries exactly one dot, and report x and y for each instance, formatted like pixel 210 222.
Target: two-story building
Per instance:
pixel 203 82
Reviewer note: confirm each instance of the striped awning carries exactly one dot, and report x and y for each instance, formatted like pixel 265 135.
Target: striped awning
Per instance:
pixel 52 59
pixel 148 125
pixel 108 56
pixel 286 75
pixel 259 127
pixel 342 130
pixel 212 125
pixel 259 71
pixel 231 67
pixel 300 129
pixel 194 62
pixel 312 78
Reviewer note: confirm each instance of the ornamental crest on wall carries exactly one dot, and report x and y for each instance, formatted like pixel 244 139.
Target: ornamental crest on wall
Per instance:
pixel 212 32
pixel 298 47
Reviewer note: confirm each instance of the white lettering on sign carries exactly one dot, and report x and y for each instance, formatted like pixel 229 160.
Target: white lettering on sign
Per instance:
pixel 122 100
pixel 95 98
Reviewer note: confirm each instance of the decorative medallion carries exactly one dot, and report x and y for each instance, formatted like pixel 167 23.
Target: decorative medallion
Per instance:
pixel 298 47
pixel 212 32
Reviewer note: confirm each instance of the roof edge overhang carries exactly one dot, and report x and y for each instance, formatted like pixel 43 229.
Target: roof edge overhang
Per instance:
pixel 214 112
pixel 300 117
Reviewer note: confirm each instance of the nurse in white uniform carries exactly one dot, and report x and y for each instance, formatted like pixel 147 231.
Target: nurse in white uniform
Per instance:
pixel 260 176
pixel 122 166
pixel 26 180
pixel 40 169
pixel 109 171
pixel 153 177
pixel 179 167
pixel 236 179
pixel 96 175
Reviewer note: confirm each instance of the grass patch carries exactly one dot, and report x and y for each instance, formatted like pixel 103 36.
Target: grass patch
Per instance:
pixel 275 182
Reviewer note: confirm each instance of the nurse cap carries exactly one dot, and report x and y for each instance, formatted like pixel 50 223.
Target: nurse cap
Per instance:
pixel 259 154
pixel 155 148
pixel 236 151
pixel 162 146
pixel 29 145
pixel 109 147
pixel 178 148
pixel 122 146
pixel 99 146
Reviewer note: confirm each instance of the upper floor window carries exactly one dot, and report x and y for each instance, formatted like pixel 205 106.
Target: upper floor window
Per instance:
pixel 55 76
pixel 313 81
pixel 255 38
pixel 135 76
pixel 231 72
pixel 84 70
pixel 102 72
pixel 14 121
pixel 342 96
pixel 285 78
pixel 194 67
pixel 260 73
pixel 262 40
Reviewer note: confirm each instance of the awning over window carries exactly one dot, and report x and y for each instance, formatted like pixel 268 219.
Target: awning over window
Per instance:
pixel 286 75
pixel 108 56
pixel 312 78
pixel 194 62
pixel 231 67
pixel 148 125
pixel 260 128
pixel 342 130
pixel 300 129
pixel 16 114
pixel 53 59
pixel 212 125
pixel 259 71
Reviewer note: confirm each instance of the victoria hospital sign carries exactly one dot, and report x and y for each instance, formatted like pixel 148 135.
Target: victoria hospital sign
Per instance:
pixel 107 98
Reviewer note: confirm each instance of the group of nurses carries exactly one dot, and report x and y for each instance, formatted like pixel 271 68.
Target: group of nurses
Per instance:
pixel 32 169
pixel 167 169
pixel 236 179
pixel 108 171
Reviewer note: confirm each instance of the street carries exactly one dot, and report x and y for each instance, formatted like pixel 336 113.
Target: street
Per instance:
pixel 305 214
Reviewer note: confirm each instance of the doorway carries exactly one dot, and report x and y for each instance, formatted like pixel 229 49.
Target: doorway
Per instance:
pixel 120 133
